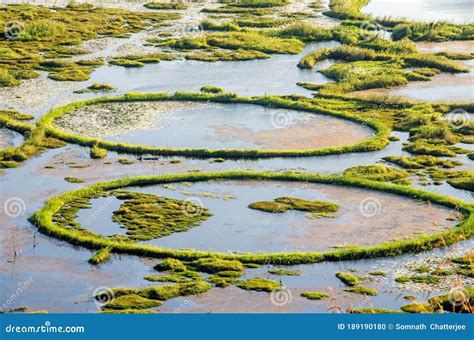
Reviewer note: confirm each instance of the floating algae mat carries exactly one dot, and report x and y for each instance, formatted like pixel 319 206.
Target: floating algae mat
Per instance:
pixel 211 126
pixel 234 226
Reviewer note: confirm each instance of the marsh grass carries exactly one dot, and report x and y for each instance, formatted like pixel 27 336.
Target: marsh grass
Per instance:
pixel 376 142
pixel 282 204
pixel 58 33
pixel 43 219
pixel 314 295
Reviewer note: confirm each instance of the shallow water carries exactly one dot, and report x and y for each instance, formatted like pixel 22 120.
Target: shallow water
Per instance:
pixel 365 217
pixel 276 75
pixel 9 138
pixel 458 11
pixel 215 126
pixel 57 274
pixel 442 87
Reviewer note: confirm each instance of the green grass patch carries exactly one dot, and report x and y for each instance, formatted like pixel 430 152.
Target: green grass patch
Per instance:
pixel 362 291
pixel 258 284
pixel 282 204
pixel 314 295
pixel 348 279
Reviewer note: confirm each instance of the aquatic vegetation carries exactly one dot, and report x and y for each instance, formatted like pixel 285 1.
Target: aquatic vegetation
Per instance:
pixel 139 60
pixel 417 308
pixel 131 301
pixel 376 172
pixel 372 311
pixel 421 162
pixel 346 9
pixel 464 182
pixel 348 279
pixel 362 291
pixel 434 31
pixel 125 161
pixel 378 273
pixel 211 89
pixel 96 87
pixel 256 3
pixel 215 265
pixel 226 55
pixel 258 284
pixel 100 256
pixel 147 216
pixel 428 279
pixel 166 5
pixel 97 152
pixel 53 226
pixel 171 264
pixel 167 278
pixel 314 295
pixel 378 141
pixel 73 180
pixel 282 204
pixel 58 33
pixel 35 139
pixel 281 272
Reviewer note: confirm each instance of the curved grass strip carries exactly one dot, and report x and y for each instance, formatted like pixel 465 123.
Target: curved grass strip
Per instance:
pixel 376 142
pixel 43 220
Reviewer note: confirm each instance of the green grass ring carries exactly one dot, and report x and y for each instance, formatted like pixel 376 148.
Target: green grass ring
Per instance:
pixel 374 143
pixel 464 230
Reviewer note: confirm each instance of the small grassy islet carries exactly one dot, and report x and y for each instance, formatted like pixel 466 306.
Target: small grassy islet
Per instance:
pixel 282 204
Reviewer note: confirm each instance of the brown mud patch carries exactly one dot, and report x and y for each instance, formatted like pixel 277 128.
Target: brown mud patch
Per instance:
pixel 316 132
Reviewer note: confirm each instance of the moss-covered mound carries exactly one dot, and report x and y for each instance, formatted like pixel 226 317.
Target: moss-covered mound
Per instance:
pixel 281 204
pixel 147 216
pixel 377 172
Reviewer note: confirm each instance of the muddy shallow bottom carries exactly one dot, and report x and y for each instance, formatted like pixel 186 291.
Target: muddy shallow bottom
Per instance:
pixel 364 218
pixel 211 125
